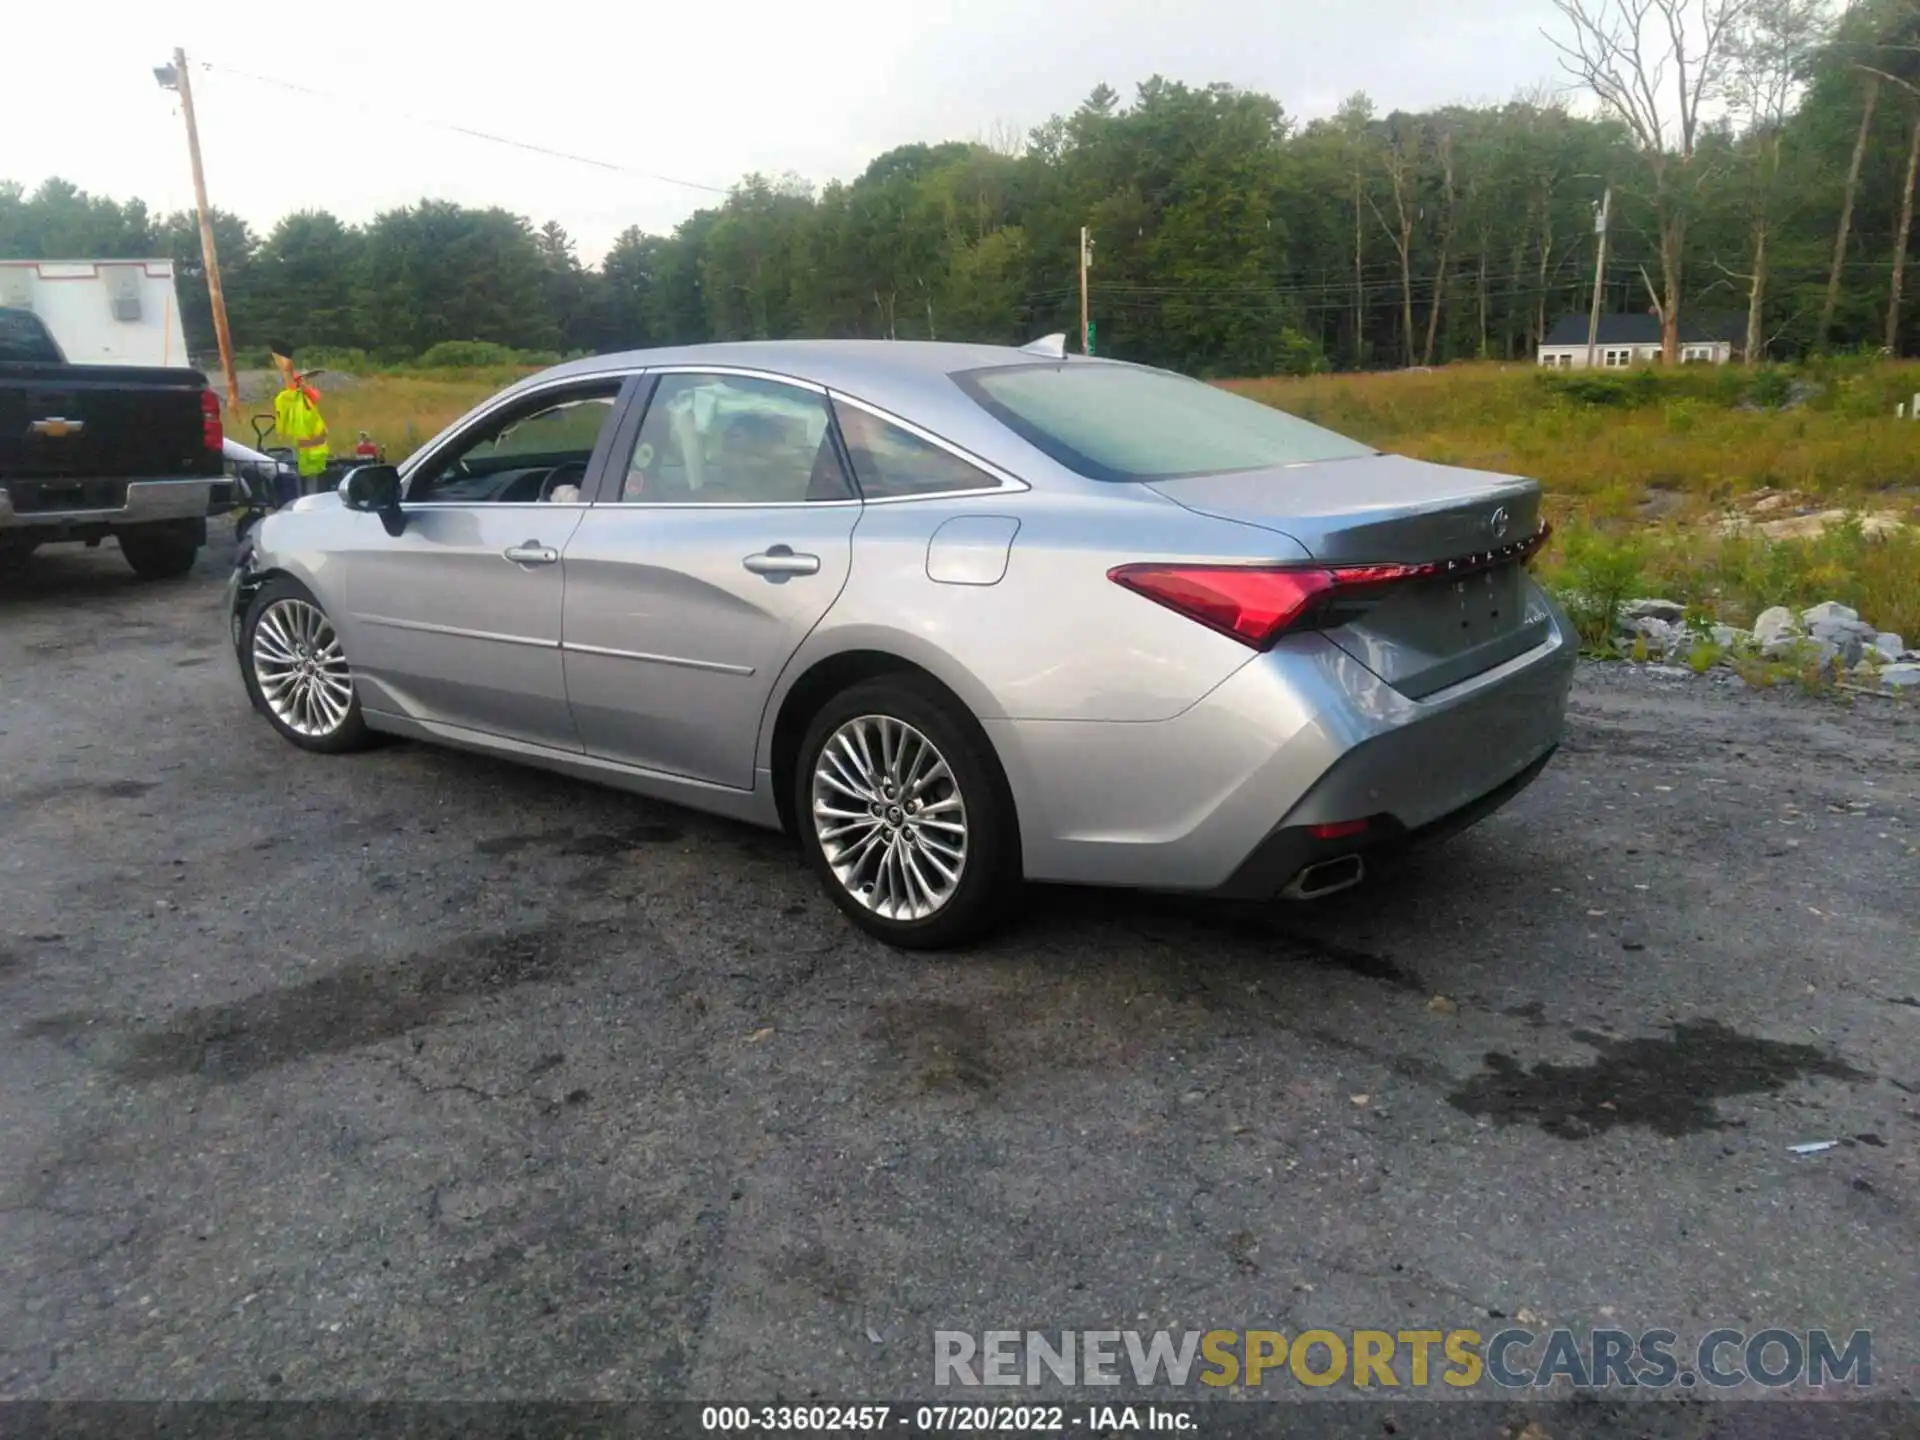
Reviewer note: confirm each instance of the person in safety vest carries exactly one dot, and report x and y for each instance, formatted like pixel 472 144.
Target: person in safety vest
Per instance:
pixel 296 414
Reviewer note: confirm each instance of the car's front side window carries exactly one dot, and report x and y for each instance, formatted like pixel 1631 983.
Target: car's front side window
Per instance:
pixel 712 439
pixel 534 451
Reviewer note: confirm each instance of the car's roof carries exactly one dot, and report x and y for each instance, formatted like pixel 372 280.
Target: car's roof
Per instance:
pixel 909 378
pixel 893 374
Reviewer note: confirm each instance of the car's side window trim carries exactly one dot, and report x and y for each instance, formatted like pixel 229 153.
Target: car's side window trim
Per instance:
pixel 423 460
pixel 622 436
pixel 1003 482
pixel 613 480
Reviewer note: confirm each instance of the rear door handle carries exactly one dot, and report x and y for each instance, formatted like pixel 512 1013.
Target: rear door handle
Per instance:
pixel 777 562
pixel 532 552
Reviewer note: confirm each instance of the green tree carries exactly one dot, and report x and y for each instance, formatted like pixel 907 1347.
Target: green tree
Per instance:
pixel 437 271
pixel 306 284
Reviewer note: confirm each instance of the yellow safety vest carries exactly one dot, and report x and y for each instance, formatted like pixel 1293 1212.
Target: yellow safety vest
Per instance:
pixel 297 417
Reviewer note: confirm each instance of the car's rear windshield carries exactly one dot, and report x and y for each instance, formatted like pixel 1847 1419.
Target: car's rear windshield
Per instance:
pixel 1125 422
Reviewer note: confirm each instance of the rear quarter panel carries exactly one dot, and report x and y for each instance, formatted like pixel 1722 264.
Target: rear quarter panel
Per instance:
pixel 1053 638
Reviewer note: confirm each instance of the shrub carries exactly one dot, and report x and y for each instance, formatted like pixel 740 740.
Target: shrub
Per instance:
pixel 1619 390
pixel 1771 387
pixel 1597 574
pixel 479 355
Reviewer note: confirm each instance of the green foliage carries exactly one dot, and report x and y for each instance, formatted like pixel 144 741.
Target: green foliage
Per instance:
pixel 478 354
pixel 1231 241
pixel 1597 574
pixel 1604 389
pixel 1770 388
pixel 1682 415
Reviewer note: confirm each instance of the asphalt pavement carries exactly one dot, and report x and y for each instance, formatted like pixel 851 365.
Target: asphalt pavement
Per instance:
pixel 417 1075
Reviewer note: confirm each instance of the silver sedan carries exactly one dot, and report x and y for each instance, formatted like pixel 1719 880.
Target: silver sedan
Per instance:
pixel 953 616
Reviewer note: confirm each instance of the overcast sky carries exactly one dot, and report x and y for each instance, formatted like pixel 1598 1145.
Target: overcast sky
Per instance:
pixel 701 92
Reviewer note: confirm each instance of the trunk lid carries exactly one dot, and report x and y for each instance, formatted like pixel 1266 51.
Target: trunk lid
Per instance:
pixel 1420 636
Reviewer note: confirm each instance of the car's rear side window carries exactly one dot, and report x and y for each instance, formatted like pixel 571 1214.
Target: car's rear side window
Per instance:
pixel 891 463
pixel 1126 422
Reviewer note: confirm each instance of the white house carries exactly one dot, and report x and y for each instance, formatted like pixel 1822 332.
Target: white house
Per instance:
pixel 1626 340
pixel 103 312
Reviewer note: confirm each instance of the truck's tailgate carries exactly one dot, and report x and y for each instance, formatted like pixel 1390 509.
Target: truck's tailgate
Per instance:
pixel 72 430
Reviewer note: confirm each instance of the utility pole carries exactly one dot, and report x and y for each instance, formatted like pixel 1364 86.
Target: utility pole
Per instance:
pixel 1599 277
pixel 1086 264
pixel 209 254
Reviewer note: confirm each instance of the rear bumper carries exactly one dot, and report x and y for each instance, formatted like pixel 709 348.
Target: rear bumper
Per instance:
pixel 145 502
pixel 1291 849
pixel 1220 798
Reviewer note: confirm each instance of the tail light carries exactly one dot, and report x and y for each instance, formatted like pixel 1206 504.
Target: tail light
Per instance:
pixel 213 435
pixel 1257 604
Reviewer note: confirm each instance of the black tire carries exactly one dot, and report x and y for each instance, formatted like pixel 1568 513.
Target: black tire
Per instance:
pixel 283 596
pixel 989 875
pixel 15 551
pixel 160 552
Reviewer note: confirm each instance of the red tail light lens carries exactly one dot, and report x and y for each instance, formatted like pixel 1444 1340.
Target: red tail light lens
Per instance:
pixel 213 434
pixel 1257 604
pixel 1254 606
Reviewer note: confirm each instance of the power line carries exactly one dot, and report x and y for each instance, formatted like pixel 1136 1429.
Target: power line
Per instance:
pixel 468 131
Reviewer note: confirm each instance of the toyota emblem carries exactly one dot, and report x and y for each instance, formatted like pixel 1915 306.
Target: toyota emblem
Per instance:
pixel 1498 523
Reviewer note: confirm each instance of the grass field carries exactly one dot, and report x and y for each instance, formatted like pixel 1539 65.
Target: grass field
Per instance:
pixel 1639 467
pixel 402 412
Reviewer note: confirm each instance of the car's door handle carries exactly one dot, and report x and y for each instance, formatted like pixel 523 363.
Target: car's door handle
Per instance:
pixel 532 552
pixel 779 561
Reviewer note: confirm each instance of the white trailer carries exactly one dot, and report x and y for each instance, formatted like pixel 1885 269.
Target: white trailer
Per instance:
pixel 103 312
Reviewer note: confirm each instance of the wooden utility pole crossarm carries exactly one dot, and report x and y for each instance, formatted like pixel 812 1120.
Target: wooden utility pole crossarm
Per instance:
pixel 209 253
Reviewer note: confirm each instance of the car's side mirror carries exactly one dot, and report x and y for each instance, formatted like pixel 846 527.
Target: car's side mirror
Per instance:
pixel 375 489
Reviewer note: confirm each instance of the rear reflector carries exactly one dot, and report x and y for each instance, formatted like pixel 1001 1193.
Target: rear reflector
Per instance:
pixel 212 434
pixel 1257 604
pixel 1338 830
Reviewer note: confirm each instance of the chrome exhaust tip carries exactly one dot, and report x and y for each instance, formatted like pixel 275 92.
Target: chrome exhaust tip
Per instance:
pixel 1326 878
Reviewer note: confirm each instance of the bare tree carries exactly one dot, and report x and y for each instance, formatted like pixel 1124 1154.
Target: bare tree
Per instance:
pixel 1656 65
pixel 1889 60
pixel 1444 153
pixel 1772 52
pixel 1401 161
pixel 1900 241
pixel 1832 301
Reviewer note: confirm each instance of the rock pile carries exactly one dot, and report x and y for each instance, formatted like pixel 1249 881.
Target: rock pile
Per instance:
pixel 1829 635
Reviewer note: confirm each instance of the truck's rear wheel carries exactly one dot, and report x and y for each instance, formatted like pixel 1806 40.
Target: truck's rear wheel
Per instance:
pixel 162 551
pixel 15 551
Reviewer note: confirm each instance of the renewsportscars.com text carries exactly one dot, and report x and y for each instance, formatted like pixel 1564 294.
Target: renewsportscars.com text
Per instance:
pixel 1511 1359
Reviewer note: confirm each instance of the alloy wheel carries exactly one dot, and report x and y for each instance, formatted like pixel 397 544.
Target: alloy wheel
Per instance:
pixel 301 669
pixel 890 818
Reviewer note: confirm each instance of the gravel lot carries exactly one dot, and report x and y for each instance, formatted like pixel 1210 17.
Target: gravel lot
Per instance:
pixel 418 1075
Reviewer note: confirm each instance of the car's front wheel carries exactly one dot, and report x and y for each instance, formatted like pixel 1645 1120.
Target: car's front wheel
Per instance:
pixel 905 816
pixel 297 673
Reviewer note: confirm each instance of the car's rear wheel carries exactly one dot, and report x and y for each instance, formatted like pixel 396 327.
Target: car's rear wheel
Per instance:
pixel 297 673
pixel 905 816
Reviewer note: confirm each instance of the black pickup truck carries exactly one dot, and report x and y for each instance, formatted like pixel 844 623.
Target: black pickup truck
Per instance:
pixel 88 451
